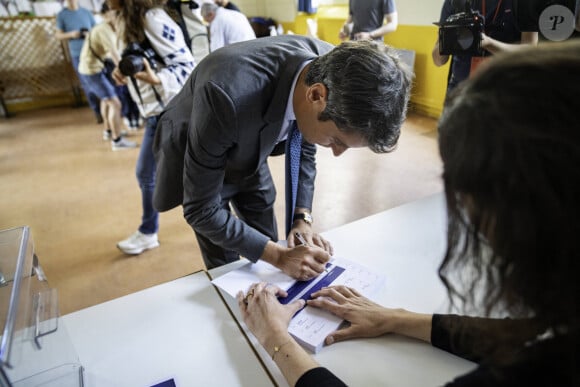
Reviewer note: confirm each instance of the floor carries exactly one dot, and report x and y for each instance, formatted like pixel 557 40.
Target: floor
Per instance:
pixel 79 198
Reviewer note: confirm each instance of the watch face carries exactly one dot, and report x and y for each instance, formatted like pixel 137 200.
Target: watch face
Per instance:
pixel 305 216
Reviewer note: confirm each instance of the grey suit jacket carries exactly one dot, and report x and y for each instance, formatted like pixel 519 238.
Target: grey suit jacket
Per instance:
pixel 222 126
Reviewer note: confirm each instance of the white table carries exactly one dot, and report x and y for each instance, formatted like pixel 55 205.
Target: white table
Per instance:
pixel 407 244
pixel 179 330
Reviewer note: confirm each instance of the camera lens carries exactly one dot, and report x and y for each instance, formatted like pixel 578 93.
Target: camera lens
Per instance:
pixel 130 65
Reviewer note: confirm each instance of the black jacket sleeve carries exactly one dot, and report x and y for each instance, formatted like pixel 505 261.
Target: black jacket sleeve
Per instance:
pixel 319 377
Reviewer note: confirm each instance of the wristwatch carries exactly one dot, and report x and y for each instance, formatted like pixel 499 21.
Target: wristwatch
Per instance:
pixel 305 216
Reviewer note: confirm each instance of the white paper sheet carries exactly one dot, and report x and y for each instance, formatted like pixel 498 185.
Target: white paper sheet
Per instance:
pixel 310 326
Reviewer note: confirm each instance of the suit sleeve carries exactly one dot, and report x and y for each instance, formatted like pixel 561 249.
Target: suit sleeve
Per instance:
pixel 211 135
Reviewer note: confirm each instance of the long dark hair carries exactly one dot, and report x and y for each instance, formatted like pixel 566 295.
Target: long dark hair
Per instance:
pixel 132 14
pixel 510 144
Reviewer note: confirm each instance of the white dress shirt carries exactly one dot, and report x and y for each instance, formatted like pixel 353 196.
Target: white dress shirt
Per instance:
pixel 229 27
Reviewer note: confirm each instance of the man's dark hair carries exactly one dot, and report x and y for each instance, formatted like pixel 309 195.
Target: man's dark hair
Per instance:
pixel 368 91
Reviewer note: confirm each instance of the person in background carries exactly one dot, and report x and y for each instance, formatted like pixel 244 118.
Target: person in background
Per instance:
pixel 225 26
pixel 501 33
pixel 98 45
pixel 155 68
pixel 227 5
pixel 268 96
pixel 369 19
pixel 510 149
pixel 72 25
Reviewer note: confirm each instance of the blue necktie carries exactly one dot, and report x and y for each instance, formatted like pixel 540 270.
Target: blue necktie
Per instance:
pixel 293 151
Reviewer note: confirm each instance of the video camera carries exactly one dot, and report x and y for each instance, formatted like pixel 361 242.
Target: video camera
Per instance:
pixel 460 33
pixel 132 59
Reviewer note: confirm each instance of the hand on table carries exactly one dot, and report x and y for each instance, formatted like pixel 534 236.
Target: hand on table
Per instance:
pixel 366 318
pixel 264 315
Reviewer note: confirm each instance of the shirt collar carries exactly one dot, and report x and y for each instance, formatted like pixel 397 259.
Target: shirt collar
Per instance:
pixel 289 113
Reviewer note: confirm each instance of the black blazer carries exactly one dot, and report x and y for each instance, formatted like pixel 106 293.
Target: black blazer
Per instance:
pixel 222 126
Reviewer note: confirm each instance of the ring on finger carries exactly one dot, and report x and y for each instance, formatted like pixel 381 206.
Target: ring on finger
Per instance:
pixel 250 294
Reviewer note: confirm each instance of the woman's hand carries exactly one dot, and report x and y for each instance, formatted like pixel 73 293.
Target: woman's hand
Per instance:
pixel 118 77
pixel 268 320
pixel 264 315
pixel 148 75
pixel 367 318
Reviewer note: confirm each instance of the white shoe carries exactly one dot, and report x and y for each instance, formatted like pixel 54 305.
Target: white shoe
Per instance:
pixel 138 242
pixel 123 143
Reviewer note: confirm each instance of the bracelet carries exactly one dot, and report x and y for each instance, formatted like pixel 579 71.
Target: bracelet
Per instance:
pixel 277 348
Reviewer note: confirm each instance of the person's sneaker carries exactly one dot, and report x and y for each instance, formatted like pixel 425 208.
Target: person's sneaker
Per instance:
pixel 138 242
pixel 107 134
pixel 123 143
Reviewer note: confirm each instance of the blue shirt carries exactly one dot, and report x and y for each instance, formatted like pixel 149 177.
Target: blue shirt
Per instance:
pixel 69 20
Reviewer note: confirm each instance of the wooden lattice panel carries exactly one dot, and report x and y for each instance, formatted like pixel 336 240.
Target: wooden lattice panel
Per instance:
pixel 32 61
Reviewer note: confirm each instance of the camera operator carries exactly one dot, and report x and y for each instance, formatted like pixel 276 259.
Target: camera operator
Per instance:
pixel 155 64
pixel 500 33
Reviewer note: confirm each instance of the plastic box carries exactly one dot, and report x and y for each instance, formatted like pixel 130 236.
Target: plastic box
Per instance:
pixel 35 348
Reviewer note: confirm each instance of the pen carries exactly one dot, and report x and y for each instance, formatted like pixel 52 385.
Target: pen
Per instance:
pixel 301 239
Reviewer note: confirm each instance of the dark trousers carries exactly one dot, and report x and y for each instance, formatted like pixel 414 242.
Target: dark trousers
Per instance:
pixel 252 200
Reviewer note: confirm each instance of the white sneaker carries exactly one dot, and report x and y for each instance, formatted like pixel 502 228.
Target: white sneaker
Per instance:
pixel 138 242
pixel 123 143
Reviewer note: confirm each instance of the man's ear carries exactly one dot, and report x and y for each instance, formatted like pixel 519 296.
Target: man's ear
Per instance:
pixel 317 94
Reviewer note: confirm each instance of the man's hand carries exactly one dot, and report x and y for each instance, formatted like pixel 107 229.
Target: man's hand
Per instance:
pixel 311 239
pixel 303 262
pixel 300 262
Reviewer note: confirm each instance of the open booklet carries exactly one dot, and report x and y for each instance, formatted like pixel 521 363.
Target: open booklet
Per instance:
pixel 309 326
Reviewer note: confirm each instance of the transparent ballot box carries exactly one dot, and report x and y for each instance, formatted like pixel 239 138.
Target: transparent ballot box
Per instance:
pixel 35 349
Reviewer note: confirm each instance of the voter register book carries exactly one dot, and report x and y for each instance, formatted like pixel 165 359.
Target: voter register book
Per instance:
pixel 310 326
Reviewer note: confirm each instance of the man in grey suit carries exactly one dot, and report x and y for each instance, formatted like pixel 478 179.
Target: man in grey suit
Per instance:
pixel 239 107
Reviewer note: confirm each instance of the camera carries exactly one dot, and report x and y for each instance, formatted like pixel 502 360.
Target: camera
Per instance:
pixel 132 59
pixel 460 34
pixel 84 32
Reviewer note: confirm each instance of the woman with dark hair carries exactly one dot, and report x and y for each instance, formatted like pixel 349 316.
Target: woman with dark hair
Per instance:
pixel 510 144
pixel 155 64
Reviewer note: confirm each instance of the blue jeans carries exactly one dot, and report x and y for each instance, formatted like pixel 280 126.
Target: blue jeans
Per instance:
pixel 146 178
